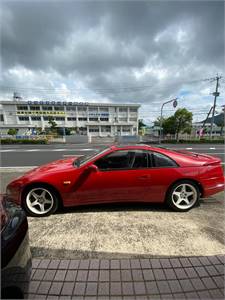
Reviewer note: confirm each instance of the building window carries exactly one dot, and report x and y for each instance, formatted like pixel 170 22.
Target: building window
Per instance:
pixel 60 118
pixel 1 118
pixel 123 109
pixel 133 119
pixel 133 109
pixel 59 108
pixel 106 128
pixel 93 129
pixel 93 119
pixel 82 119
pixel 69 108
pixel 20 107
pixel 36 118
pixel 47 118
pixel 123 119
pixel 47 107
pixel 24 118
pixel 82 108
pixel 93 109
pixel 104 109
pixel 71 119
pixel 126 129
pixel 34 107
pixel 104 119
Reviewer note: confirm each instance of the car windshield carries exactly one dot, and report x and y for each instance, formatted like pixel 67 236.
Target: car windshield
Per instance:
pixel 86 158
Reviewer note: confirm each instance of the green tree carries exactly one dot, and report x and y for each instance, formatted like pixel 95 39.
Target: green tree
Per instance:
pixel 141 124
pixel 183 121
pixel 180 122
pixel 12 131
pixel 52 124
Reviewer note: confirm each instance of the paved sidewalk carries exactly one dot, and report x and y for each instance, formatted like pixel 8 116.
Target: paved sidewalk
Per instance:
pixel 176 278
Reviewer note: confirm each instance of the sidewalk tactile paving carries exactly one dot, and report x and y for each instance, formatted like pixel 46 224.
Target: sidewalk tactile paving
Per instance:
pixel 144 278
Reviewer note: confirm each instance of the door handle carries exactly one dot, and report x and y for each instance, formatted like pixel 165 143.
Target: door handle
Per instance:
pixel 144 177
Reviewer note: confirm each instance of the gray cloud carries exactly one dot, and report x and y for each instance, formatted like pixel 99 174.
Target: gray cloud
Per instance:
pixel 104 45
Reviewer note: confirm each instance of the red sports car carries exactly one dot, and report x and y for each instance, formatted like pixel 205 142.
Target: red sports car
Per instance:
pixel 138 173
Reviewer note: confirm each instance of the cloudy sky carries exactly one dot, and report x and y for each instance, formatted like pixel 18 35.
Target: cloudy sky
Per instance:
pixel 143 52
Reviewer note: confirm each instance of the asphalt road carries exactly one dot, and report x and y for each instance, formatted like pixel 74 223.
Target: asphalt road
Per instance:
pixel 35 155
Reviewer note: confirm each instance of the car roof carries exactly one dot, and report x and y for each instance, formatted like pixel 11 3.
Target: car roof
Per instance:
pixel 133 146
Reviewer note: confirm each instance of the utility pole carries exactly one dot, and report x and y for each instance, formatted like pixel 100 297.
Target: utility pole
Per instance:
pixel 215 94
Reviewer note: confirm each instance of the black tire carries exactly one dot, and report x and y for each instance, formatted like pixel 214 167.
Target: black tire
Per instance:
pixel 170 198
pixel 52 195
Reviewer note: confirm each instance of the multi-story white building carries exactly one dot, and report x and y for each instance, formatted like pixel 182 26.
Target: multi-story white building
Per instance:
pixel 93 119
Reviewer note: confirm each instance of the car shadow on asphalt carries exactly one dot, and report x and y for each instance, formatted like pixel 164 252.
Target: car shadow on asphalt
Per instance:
pixel 118 207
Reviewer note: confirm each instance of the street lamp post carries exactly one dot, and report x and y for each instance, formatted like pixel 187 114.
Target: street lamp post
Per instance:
pixel 161 116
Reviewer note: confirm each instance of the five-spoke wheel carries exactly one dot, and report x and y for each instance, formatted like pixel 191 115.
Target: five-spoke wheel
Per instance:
pixel 40 201
pixel 183 195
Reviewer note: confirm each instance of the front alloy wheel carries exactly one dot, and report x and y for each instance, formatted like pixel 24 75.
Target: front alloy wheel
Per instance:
pixel 183 196
pixel 40 201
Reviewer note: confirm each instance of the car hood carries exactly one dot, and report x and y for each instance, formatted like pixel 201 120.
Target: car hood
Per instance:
pixel 53 167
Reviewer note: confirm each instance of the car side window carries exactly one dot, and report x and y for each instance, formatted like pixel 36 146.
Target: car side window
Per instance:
pixel 140 160
pixel 115 160
pixel 161 160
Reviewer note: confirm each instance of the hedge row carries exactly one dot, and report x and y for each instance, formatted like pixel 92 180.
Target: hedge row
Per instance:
pixel 22 141
pixel 202 141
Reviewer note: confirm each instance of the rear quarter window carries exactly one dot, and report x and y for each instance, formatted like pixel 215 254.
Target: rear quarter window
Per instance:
pixel 161 160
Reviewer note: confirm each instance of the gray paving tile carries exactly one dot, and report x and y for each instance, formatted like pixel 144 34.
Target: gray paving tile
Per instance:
pixel 33 287
pixel 103 288
pixel 163 287
pixel 204 295
pixel 44 264
pixel 54 263
pixel 175 262
pixel 201 272
pixel 115 264
pixel 93 275
pixel 152 288
pixel 165 263
pixel 175 286
pixel 60 275
pixel 64 264
pixel 127 288
pixel 104 275
pixel 91 288
pixel 155 263
pixel 84 264
pixel 44 287
pixel 115 288
pixel 56 288
pixel 82 275
pixel 71 275
pixel 145 263
pixel 94 264
pixel 139 288
pixel 49 275
pixel 159 274
pixel 39 274
pixel 170 274
pixel 126 275
pixel 79 288
pixel 74 264
pixel 209 283
pixel 148 275
pixel 137 275
pixel 67 288
pixel 186 285
pixel 104 264
pixel 125 264
pixel 115 275
pixel 135 264
pixel 197 284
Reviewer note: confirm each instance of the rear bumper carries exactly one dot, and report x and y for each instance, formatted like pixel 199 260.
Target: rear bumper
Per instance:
pixel 213 186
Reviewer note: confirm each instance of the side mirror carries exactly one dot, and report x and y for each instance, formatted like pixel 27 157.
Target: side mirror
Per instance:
pixel 92 168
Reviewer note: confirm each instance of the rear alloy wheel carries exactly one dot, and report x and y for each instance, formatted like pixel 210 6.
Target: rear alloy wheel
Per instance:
pixel 40 202
pixel 183 196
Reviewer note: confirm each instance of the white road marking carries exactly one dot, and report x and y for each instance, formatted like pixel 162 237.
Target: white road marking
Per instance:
pixel 71 155
pixel 188 148
pixel 32 150
pixel 17 169
pixel 212 148
pixel 8 150
pixel 46 150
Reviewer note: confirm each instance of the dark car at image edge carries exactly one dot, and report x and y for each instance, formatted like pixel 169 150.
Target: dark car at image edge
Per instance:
pixel 15 251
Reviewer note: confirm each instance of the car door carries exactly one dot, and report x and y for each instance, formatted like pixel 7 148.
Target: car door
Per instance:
pixel 163 172
pixel 122 176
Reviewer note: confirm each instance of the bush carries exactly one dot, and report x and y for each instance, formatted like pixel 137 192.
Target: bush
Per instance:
pixel 22 141
pixel 202 141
